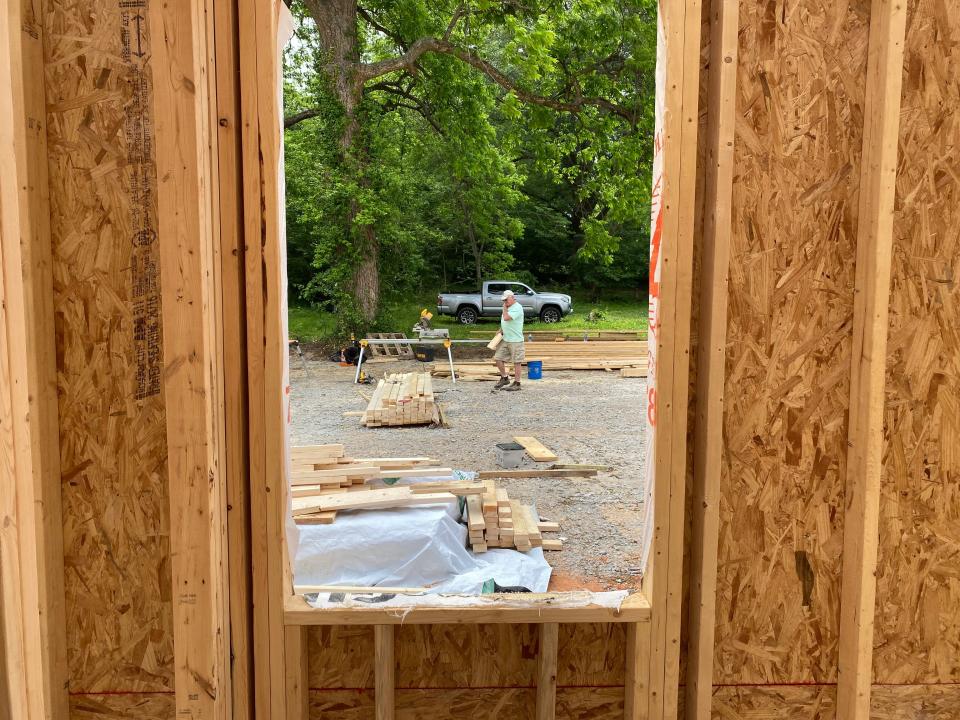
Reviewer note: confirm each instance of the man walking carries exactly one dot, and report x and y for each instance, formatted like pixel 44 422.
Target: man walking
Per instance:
pixel 511 348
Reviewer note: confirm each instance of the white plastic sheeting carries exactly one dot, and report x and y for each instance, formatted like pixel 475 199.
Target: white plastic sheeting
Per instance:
pixel 417 546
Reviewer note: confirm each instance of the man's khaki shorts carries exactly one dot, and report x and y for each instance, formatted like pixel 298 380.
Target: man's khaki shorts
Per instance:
pixel 509 352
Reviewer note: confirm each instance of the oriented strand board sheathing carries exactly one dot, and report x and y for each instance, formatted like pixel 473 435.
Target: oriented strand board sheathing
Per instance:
pixel 106 286
pixel 466 656
pixel 812 702
pixel 122 707
pixel 340 656
pixel 800 93
pixel 591 654
pixel 917 625
pixel 915 702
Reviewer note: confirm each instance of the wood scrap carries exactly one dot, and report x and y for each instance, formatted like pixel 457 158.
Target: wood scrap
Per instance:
pixel 318 518
pixel 457 487
pixel 483 474
pixel 537 451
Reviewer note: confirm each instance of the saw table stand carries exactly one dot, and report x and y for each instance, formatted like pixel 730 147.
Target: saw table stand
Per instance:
pixel 446 342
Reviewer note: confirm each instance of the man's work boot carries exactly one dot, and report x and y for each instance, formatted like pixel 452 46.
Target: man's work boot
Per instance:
pixel 501 382
pixel 514 386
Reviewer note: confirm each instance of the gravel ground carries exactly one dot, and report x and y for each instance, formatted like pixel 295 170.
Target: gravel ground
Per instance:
pixel 584 417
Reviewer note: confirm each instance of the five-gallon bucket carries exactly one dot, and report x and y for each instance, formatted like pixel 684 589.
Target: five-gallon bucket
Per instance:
pixel 535 369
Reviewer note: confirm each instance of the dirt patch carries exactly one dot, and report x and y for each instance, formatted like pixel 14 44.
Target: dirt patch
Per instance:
pixel 584 417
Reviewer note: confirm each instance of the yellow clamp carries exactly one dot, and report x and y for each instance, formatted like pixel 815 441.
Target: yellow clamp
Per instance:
pixel 363 343
pixel 447 343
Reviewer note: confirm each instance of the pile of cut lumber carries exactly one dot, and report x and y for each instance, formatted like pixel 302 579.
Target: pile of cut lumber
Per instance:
pixel 564 355
pixel 573 334
pixel 402 399
pixel 496 521
pixel 320 470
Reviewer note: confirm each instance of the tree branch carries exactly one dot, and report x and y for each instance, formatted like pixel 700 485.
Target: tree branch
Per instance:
pixel 372 22
pixel 371 71
pixel 291 120
pixel 458 13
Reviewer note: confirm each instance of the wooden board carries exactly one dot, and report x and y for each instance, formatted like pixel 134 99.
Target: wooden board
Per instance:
pixel 536 473
pixel 537 451
pixel 368 500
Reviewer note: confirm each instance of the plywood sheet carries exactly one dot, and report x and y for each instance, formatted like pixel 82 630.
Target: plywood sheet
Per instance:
pixel 917 625
pixel 107 290
pixel 466 656
pixel 813 702
pixel 801 79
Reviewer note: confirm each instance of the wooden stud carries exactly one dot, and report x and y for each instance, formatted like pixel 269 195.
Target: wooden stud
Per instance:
pixel 662 581
pixel 547 671
pixel 192 392
pixel 233 301
pixel 297 664
pixel 636 690
pixel 32 604
pixel 869 356
pixel 385 670
pixel 711 364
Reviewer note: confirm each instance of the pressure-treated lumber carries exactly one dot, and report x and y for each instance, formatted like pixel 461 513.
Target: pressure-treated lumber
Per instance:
pixel 547 671
pixel 711 354
pixel 385 671
pixel 869 357
pixel 32 606
pixel 191 360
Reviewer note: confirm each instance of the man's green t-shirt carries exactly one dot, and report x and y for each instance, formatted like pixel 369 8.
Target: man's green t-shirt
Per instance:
pixel 513 328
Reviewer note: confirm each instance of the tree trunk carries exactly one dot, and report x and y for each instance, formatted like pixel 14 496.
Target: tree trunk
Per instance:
pixel 336 22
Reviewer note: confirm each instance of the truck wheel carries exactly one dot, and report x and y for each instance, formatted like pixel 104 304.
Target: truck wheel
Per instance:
pixel 467 315
pixel 550 314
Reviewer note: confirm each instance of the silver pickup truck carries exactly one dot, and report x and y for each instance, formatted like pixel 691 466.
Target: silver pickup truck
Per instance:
pixel 470 307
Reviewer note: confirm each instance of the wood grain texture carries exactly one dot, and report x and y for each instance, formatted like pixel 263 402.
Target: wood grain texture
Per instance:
pixel 109 346
pixel 868 357
pixel 798 143
pixel 547 671
pixel 592 654
pixel 711 323
pixel 32 614
pixel 917 625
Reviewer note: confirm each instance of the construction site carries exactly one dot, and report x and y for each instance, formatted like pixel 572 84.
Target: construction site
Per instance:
pixel 751 510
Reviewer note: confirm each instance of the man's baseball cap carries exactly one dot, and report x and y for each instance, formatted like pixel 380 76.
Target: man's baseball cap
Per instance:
pixel 507 294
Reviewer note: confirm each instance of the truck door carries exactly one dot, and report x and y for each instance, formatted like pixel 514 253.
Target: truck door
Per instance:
pixel 493 298
pixel 526 297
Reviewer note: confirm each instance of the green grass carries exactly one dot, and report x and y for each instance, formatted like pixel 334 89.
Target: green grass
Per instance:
pixel 619 312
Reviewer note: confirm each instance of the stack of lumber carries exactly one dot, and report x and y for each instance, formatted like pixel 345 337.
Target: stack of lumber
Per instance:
pixel 496 521
pixel 326 470
pixel 565 355
pixel 402 399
